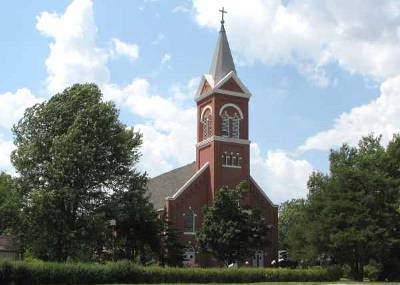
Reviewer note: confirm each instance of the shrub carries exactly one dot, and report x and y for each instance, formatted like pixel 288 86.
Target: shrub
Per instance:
pixel 372 271
pixel 25 273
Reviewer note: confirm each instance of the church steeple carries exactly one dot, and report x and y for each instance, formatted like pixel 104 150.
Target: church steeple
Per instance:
pixel 222 62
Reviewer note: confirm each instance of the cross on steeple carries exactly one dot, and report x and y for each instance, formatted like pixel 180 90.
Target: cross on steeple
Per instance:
pixel 222 13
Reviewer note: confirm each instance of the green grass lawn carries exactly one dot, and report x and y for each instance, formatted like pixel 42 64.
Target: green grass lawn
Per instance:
pixel 296 283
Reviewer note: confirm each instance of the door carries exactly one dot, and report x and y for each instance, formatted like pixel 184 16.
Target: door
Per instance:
pixel 258 259
pixel 189 257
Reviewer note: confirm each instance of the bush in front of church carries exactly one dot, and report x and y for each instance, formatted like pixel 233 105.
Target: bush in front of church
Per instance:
pixel 25 273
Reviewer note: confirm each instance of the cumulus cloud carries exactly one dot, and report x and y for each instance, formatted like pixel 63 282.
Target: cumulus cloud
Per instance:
pixel 361 36
pixel 13 105
pixel 169 126
pixel 74 56
pixel 281 176
pixel 6 147
pixel 381 116
pixel 168 123
pixel 131 51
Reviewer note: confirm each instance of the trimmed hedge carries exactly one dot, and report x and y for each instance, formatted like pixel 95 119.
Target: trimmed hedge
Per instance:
pixel 23 273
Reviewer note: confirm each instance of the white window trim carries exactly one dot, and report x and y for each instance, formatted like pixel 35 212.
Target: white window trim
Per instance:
pixel 233 106
pixel 208 107
pixel 231 166
pixel 194 223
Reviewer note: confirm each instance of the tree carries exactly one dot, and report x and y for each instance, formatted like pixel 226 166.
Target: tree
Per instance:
pixel 72 153
pixel 172 250
pixel 232 232
pixel 291 230
pixel 353 211
pixel 137 223
pixel 9 200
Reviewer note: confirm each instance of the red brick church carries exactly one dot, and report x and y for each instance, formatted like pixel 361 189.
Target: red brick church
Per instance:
pixel 222 159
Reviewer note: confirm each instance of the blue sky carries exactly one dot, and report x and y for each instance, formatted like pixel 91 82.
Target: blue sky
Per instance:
pixel 320 73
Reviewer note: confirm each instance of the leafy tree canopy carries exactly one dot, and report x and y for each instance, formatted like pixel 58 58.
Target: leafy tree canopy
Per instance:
pixel 72 155
pixel 351 215
pixel 232 232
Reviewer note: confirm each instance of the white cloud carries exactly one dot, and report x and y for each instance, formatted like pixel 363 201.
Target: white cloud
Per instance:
pixel 13 105
pixel 361 36
pixel 74 56
pixel 165 58
pixel 169 128
pixel 6 147
pixel 381 116
pixel 169 125
pixel 281 176
pixel 129 50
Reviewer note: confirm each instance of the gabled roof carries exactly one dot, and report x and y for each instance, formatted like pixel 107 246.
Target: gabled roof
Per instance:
pixel 222 62
pixel 166 185
pixel 217 86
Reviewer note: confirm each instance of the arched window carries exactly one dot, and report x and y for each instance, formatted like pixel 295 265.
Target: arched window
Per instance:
pixel 189 222
pixel 231 115
pixel 225 125
pixel 206 122
pixel 235 125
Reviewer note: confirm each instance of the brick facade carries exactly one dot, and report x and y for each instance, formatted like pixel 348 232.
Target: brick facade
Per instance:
pixel 222 159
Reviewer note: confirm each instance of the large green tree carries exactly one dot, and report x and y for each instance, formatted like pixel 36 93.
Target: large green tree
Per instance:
pixel 353 211
pixel 232 231
pixel 72 153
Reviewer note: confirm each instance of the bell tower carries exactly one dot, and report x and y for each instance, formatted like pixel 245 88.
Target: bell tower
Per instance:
pixel 222 119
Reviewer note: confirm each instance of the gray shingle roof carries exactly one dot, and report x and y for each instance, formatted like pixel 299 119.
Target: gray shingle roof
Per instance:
pixel 165 185
pixel 222 62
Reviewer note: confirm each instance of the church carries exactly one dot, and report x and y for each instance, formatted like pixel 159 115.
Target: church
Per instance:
pixel 222 159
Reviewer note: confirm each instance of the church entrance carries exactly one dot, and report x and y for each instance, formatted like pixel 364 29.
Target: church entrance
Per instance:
pixel 258 259
pixel 189 256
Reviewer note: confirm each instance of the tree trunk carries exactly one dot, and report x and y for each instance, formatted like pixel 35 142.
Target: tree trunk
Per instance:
pixel 357 271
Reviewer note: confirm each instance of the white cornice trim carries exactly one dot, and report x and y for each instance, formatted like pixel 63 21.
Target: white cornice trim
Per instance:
pixel 215 88
pixel 187 184
pixel 198 92
pixel 224 92
pixel 222 139
pixel 232 93
pixel 263 193
pixel 234 77
pixel 231 140
pixel 204 142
